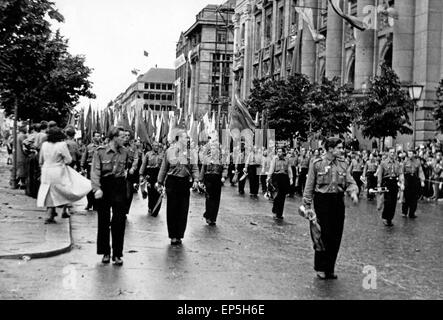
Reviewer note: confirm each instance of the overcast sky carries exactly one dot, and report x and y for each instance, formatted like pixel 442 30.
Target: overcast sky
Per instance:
pixel 113 34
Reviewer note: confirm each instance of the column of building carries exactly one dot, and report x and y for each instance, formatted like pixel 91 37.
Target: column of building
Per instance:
pixel 309 47
pixel 248 52
pixel 427 59
pixel 364 54
pixel 334 44
pixel 235 84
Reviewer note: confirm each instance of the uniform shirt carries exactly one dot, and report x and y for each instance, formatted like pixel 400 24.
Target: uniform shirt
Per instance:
pixel 73 150
pixel 357 165
pixel 370 167
pixel 88 155
pixel 133 157
pixel 213 168
pixel 328 175
pixel 151 159
pixel 413 167
pixel 303 161
pixel 388 169
pixel 266 164
pixel 252 159
pixel 108 162
pixel 280 166
pixel 437 169
pixel 176 162
pixel 240 159
pixel 293 160
pixel 40 137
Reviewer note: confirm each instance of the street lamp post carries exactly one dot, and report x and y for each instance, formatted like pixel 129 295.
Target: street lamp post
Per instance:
pixel 415 92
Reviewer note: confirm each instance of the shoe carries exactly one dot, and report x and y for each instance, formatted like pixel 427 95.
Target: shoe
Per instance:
pixel 117 261
pixel 176 242
pixel 210 222
pixel 331 276
pixel 413 216
pixel 50 221
pixel 387 223
pixel 241 193
pixel 106 258
pixel 321 275
pixel 404 215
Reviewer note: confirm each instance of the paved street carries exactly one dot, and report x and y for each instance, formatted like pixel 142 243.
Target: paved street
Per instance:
pixel 247 256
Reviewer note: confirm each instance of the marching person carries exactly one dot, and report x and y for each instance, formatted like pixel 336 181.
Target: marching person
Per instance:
pixel 73 148
pixel 212 176
pixel 369 171
pixel 293 159
pixel 281 175
pixel 328 180
pixel 108 177
pixel 252 164
pixel 389 176
pixel 148 174
pixel 131 178
pixel 180 172
pixel 303 167
pixel 413 176
pixel 356 168
pixel 239 167
pixel 86 164
pixel 265 166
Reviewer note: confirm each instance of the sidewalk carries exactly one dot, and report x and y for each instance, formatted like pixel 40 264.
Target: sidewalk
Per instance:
pixel 23 234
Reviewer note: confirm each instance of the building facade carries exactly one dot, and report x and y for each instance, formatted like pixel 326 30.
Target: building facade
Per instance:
pixel 203 76
pixel 153 90
pixel 271 40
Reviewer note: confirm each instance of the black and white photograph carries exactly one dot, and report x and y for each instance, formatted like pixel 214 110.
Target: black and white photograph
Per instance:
pixel 221 155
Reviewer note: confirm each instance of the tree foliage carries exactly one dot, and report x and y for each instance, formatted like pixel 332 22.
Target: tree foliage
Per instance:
pixel 283 102
pixel 36 70
pixel 331 108
pixel 384 111
pixel 438 112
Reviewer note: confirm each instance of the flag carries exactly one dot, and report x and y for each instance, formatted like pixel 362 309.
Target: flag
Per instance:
pixel 88 126
pixel 354 21
pixel 193 131
pixel 240 117
pixel 146 53
pixel 135 71
pixel 308 16
pixel 142 131
pixel 98 126
pixel 124 122
pixel 81 124
pixel 296 55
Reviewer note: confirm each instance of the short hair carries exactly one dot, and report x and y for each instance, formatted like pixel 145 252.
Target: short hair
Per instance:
pixel 22 129
pixel 52 124
pixel 332 143
pixel 55 134
pixel 37 127
pixel 70 131
pixel 93 133
pixel 114 132
pixel 43 125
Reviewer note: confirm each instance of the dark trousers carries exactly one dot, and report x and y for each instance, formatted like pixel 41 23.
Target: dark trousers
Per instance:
pixel 213 194
pixel 330 210
pixel 33 178
pixel 302 179
pixel 357 175
pixel 253 179
pixel 264 186
pixel 153 194
pixel 371 183
pixel 241 184
pixel 411 195
pixel 231 168
pixel 130 180
pixel 292 187
pixel 281 183
pixel 90 196
pixel 390 198
pixel 114 197
pixel 177 199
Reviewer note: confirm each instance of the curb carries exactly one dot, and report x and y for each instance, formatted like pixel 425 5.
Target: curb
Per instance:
pixel 42 254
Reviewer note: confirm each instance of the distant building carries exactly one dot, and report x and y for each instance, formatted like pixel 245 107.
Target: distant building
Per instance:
pixel 204 62
pixel 153 90
pixel 269 43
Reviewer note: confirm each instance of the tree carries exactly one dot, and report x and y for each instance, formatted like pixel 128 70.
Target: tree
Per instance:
pixel 330 108
pixel 36 71
pixel 384 111
pixel 282 101
pixel 438 112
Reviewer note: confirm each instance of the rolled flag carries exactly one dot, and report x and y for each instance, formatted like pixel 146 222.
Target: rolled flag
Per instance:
pixel 146 53
pixel 314 228
pixel 354 21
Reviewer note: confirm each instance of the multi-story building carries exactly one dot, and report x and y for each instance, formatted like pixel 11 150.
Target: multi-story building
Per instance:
pixel 267 34
pixel 153 90
pixel 204 62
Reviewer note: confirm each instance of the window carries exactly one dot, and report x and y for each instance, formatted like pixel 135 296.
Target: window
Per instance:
pixel 157 96
pixel 242 35
pixel 163 97
pixel 258 34
pixel 158 86
pixel 164 86
pixel 169 86
pixel 221 37
pixel 268 26
pixel 151 96
pixel 146 85
pixel 281 22
pixel 169 97
pixel 152 86
pixel 146 96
